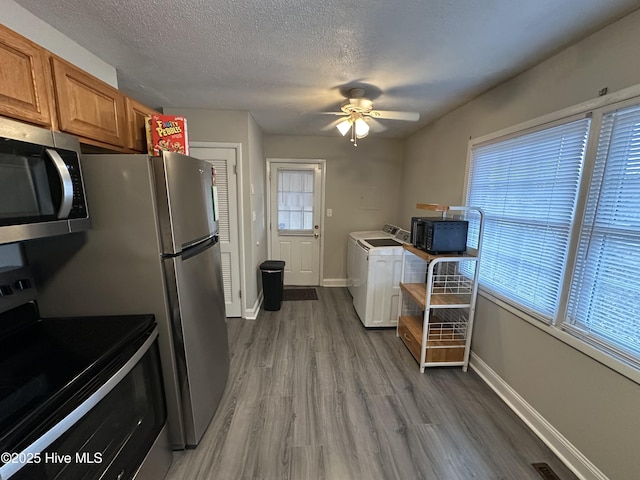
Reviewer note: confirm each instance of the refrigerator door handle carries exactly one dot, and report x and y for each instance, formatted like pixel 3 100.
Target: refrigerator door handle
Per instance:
pixel 195 248
pixel 195 243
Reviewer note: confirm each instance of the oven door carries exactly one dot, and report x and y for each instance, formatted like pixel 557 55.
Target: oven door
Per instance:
pixel 109 435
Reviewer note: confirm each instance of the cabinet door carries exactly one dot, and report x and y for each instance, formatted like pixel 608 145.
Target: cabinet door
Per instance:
pixel 136 115
pixel 24 79
pixel 88 107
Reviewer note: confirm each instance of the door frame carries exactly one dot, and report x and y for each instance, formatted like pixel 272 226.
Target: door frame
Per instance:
pixel 240 195
pixel 323 174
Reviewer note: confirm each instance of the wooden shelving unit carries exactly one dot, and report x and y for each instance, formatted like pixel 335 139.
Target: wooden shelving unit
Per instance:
pixel 438 295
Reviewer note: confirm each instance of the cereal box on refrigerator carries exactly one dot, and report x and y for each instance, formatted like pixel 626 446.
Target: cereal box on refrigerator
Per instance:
pixel 168 133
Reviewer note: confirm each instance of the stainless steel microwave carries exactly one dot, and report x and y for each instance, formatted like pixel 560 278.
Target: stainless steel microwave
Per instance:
pixel 41 188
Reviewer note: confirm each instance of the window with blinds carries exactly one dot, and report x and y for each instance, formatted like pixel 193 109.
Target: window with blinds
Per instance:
pixel 604 299
pixel 528 187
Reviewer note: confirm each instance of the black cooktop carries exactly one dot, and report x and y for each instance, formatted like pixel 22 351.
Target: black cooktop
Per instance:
pixel 45 362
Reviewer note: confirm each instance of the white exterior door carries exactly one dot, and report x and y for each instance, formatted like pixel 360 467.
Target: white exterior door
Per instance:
pixel 224 161
pixel 295 210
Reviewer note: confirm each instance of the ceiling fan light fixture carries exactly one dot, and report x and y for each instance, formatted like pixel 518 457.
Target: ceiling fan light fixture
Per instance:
pixel 357 109
pixel 344 126
pixel 361 127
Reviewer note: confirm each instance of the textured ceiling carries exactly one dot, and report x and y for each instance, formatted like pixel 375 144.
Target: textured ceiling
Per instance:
pixel 287 60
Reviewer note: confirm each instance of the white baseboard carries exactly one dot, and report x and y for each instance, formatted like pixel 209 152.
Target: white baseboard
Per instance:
pixel 252 313
pixel 570 455
pixel 334 282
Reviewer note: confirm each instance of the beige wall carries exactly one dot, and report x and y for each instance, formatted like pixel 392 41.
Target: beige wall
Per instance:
pixel 594 407
pixel 361 187
pixel 258 204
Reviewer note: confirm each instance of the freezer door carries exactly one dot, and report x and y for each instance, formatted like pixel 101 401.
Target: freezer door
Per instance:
pixel 200 333
pixel 185 205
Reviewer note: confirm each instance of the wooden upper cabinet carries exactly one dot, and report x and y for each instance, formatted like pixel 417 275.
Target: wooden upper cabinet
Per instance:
pixel 136 115
pixel 87 106
pixel 24 79
pixel 40 88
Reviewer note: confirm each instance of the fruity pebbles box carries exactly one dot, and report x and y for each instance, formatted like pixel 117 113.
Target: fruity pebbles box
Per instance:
pixel 168 133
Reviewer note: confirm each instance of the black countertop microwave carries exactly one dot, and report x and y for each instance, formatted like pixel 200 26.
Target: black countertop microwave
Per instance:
pixel 41 189
pixel 439 235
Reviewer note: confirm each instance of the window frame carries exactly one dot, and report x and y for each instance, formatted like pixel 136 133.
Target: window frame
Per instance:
pixel 559 327
pixel 572 228
pixel 590 160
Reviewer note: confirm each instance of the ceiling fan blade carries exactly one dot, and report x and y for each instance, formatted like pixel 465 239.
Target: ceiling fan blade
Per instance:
pixel 331 125
pixel 392 115
pixel 341 114
pixel 376 126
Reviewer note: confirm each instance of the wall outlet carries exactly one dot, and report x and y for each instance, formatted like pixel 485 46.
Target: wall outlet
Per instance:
pixel 329 212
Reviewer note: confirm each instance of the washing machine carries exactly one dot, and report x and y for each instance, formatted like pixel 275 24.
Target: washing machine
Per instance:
pixel 387 231
pixel 376 281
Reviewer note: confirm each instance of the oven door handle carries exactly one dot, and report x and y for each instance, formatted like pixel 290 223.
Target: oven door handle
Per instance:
pixel 35 450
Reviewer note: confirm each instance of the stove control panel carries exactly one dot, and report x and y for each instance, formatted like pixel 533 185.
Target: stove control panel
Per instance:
pixel 403 236
pixel 392 229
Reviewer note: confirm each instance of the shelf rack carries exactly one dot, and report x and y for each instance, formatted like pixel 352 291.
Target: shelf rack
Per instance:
pixel 438 296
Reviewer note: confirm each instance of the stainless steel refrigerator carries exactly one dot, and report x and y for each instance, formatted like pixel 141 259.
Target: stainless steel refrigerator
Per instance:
pixel 153 248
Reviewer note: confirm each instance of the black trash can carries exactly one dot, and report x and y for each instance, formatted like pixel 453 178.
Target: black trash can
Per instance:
pixel 272 283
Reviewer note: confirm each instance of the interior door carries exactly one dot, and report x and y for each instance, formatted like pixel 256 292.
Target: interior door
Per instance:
pixel 224 161
pixel 295 216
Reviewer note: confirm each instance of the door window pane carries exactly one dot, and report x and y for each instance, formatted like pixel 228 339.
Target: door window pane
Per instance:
pixel 295 200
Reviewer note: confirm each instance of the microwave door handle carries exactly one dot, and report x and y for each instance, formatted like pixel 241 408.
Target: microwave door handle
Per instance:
pixel 65 179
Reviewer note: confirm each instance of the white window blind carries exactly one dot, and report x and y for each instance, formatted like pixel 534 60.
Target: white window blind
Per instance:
pixel 604 299
pixel 528 188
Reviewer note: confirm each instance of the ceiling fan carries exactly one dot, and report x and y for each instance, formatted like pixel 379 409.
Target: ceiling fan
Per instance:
pixel 359 111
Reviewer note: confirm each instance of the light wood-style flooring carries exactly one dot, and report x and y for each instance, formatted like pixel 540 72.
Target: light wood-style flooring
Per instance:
pixel 312 394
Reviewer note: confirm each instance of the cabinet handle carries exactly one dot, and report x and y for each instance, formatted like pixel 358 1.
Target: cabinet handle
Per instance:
pixel 407 337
